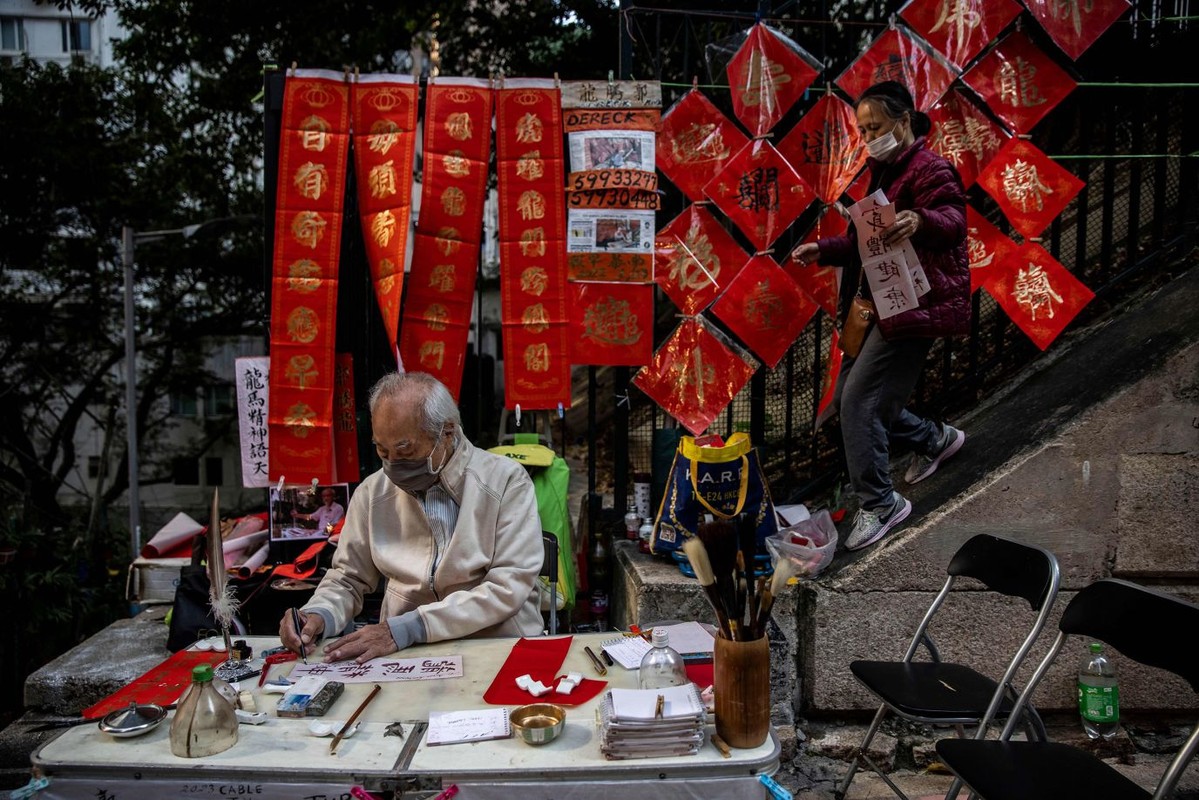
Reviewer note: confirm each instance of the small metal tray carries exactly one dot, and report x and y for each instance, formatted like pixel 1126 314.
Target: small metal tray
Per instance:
pixel 134 720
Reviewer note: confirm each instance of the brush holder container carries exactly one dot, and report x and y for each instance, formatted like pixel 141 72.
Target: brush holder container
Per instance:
pixel 741 682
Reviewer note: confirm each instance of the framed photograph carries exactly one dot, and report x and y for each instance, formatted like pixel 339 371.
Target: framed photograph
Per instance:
pixel 307 512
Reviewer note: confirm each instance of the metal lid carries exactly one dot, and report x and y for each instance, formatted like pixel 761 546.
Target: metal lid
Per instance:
pixel 133 720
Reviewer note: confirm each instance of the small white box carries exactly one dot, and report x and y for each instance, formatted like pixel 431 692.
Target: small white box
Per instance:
pixel 153 580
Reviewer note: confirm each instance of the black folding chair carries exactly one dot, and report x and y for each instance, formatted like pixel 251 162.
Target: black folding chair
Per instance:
pixel 549 570
pixel 1145 625
pixel 936 692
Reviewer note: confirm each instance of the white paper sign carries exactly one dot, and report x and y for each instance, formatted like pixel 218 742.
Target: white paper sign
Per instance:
pixel 253 375
pixel 894 273
pixel 379 670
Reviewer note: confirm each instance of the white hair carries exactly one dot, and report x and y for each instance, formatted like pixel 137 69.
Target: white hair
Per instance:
pixel 438 408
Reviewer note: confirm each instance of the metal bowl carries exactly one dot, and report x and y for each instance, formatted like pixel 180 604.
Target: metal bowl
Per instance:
pixel 134 720
pixel 538 723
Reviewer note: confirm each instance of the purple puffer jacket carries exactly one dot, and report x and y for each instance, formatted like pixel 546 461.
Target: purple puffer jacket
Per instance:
pixel 919 180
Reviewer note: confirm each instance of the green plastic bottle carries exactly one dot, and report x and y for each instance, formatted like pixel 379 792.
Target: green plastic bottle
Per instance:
pixel 1098 694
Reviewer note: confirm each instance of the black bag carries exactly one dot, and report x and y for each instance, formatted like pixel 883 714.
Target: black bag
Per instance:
pixel 191 613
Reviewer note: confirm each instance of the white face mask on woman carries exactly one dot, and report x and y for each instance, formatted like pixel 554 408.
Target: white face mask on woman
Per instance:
pixel 885 146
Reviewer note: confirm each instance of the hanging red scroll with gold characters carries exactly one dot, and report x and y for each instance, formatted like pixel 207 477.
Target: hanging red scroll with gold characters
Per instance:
pixel 695 374
pixel 695 141
pixel 1029 186
pixel 314 145
pixel 612 324
pixel 383 117
pixel 1039 294
pixel 768 73
pixel 532 235
pixel 445 257
pixel 345 420
pixel 1019 82
pixel 825 147
pixel 765 308
pixel 895 56
pixel 960 29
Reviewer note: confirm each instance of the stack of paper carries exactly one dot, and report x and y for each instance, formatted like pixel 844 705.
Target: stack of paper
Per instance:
pixel 646 723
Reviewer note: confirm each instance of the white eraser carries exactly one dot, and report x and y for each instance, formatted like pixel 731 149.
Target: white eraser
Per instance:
pixel 537 689
pixel 575 677
pixel 565 686
pixel 524 681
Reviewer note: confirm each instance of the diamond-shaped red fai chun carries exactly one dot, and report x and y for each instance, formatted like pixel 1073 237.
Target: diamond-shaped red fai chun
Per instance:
pixel 696 259
pixel 825 147
pixel 695 140
pixel 961 29
pixel 766 76
pixel 760 192
pixel 989 251
pixel 1039 294
pixel 765 308
pixel 1029 186
pixel 895 56
pixel 695 374
pixel 1019 82
pixel 964 135
pixel 1075 26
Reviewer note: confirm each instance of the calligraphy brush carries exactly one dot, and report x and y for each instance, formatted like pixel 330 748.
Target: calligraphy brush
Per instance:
pixel 782 573
pixel 697 556
pixel 720 543
pixel 747 540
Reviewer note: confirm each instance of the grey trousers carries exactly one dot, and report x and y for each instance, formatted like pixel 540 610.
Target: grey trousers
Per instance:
pixel 871 394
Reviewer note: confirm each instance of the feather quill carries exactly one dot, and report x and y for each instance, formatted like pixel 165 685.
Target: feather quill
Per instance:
pixel 220 595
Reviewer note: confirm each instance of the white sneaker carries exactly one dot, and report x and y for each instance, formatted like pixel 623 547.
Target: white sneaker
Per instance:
pixel 922 466
pixel 870 526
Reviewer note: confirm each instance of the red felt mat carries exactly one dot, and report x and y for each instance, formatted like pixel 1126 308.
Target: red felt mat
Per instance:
pixel 541 660
pixel 161 684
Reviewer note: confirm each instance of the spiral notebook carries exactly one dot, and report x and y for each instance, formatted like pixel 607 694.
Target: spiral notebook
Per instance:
pixel 472 725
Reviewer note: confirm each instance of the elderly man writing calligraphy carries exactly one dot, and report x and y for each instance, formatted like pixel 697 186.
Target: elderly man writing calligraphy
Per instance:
pixel 452 530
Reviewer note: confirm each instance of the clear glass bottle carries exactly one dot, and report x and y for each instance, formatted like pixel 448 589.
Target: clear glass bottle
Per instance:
pixel 662 666
pixel 644 534
pixel 632 521
pixel 205 722
pixel 1098 694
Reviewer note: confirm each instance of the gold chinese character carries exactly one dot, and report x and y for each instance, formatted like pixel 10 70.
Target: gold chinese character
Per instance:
pixel 314 133
pixel 763 307
pixel 534 280
pixel 458 125
pixel 531 205
pixel 311 179
pixel 383 227
pixel 303 276
pixel 537 357
pixel 382 180
pixel 530 166
pixel 959 15
pixel 1034 292
pixel 611 322
pixel 300 369
pixel 442 278
pixel 384 133
pixel 456 164
pixel 1017 84
pixel 535 318
pixel 764 79
pixel 532 242
pixel 693 263
pixel 448 241
pixel 1023 186
pixel 453 201
pixel 308 228
pixel 431 354
pixel 977 254
pixel 388 276
pixel 301 419
pixel 303 325
pixel 438 316
pixel 700 142
pixel 529 129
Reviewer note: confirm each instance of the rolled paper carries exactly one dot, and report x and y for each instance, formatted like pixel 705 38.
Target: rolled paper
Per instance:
pixel 246 543
pixel 181 528
pixel 251 564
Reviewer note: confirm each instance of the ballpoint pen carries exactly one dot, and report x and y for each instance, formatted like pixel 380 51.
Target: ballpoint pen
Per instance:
pixel 295 620
pixel 599 665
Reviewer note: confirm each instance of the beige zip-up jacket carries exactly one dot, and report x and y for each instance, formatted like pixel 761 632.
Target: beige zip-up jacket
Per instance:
pixel 484 584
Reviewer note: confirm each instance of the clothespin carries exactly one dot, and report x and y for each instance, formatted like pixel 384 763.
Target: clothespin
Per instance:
pixel 294 64
pixel 557 83
pixel 312 491
pixel 561 411
pixel 694 83
pixel 345 73
pixel 517 409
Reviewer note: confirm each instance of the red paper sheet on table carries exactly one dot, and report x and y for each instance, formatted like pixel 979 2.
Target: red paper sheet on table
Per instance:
pixel 1029 186
pixel 1018 82
pixel 1075 26
pixel 895 56
pixel 540 659
pixel 825 147
pixel 960 30
pixel 964 135
pixel 161 685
